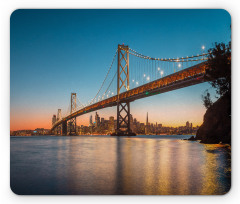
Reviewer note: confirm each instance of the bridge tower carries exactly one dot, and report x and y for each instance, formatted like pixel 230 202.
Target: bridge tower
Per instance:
pixel 73 122
pixel 59 117
pixel 123 107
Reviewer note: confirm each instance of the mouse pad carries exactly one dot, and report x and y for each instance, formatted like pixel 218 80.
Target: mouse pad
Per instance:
pixel 120 102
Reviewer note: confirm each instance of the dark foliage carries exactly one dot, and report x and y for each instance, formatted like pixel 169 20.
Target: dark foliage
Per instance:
pixel 207 102
pixel 219 63
pixel 216 125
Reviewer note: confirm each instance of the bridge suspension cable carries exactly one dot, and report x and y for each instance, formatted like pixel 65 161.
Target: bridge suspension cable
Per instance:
pixel 144 69
pixel 79 103
pixel 110 83
pixel 105 77
pixel 182 59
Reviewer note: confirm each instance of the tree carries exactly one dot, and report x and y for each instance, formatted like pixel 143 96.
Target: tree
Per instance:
pixel 207 102
pixel 219 72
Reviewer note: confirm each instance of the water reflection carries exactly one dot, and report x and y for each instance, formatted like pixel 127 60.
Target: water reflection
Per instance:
pixel 119 165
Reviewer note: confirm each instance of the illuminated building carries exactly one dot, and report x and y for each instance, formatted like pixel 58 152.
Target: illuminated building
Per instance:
pixel 111 124
pixel 147 126
pixel 97 120
pixel 90 121
pixel 54 119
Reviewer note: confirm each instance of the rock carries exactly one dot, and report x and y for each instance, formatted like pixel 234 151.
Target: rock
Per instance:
pixel 192 138
pixel 216 125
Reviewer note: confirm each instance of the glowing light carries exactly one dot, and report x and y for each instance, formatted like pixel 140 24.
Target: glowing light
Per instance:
pixel 158 68
pixel 137 82
pixel 148 78
pixel 179 65
pixel 133 80
pixel 161 72
pixel 112 93
pixel 203 47
pixel 144 75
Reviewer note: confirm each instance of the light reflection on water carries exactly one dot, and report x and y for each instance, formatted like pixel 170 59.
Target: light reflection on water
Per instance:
pixel 155 165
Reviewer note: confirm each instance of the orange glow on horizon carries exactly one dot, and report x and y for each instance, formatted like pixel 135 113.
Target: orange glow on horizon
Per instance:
pixel 171 117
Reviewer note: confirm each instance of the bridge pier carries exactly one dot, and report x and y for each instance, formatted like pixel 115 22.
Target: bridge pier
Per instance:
pixel 64 128
pixel 123 120
pixel 72 127
pixel 59 130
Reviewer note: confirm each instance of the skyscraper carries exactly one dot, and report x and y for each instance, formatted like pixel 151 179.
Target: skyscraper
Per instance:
pixel 187 126
pixel 102 120
pixel 147 119
pixel 111 124
pixel 147 124
pixel 90 121
pixel 54 119
pixel 97 120
pixel 59 114
pixel 131 121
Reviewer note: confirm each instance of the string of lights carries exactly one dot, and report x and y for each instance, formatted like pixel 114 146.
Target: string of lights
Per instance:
pixel 182 59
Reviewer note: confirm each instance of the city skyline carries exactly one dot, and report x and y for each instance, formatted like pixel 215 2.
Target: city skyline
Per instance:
pixel 147 121
pixel 47 59
pixel 108 125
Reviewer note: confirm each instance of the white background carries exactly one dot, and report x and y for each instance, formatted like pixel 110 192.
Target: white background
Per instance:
pixel 8 6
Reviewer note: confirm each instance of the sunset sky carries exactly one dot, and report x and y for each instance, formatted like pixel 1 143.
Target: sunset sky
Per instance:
pixel 56 52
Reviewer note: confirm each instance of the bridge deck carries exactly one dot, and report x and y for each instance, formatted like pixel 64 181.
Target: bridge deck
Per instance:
pixel 187 77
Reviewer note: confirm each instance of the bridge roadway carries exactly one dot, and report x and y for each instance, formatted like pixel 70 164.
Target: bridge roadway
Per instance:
pixel 187 77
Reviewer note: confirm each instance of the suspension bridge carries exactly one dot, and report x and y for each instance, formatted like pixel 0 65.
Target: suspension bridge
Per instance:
pixel 135 76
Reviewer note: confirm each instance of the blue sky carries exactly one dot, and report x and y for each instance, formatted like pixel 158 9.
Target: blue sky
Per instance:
pixel 56 52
